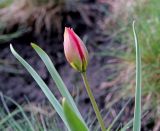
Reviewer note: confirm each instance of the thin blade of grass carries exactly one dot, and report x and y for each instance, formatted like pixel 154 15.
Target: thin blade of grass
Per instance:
pixel 8 117
pixel 128 125
pixel 118 116
pixel 12 120
pixel 8 37
pixel 55 103
pixel 137 110
pixel 22 111
pixel 57 79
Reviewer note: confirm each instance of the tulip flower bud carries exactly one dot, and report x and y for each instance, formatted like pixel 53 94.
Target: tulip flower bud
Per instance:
pixel 75 50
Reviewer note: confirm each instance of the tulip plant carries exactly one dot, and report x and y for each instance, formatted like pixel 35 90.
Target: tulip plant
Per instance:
pixel 77 56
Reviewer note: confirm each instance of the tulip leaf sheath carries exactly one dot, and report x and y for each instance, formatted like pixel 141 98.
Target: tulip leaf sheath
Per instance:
pixel 73 120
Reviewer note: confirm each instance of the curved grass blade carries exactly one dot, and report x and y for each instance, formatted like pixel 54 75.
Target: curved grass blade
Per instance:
pixel 42 85
pixel 73 120
pixel 12 120
pixel 21 111
pixel 8 117
pixel 57 79
pixel 137 110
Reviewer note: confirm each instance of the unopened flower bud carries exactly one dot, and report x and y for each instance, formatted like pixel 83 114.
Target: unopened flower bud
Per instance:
pixel 75 50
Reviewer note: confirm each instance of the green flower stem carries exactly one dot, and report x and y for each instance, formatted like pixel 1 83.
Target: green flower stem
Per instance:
pixel 94 104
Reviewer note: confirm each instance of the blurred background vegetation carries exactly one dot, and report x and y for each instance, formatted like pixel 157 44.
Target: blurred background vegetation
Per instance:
pixel 105 27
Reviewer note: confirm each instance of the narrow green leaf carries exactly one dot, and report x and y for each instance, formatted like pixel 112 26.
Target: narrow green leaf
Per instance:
pixel 73 120
pixel 57 79
pixel 128 125
pixel 42 85
pixel 137 110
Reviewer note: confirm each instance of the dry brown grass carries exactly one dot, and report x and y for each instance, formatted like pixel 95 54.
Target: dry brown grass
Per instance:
pixel 32 15
pixel 120 11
